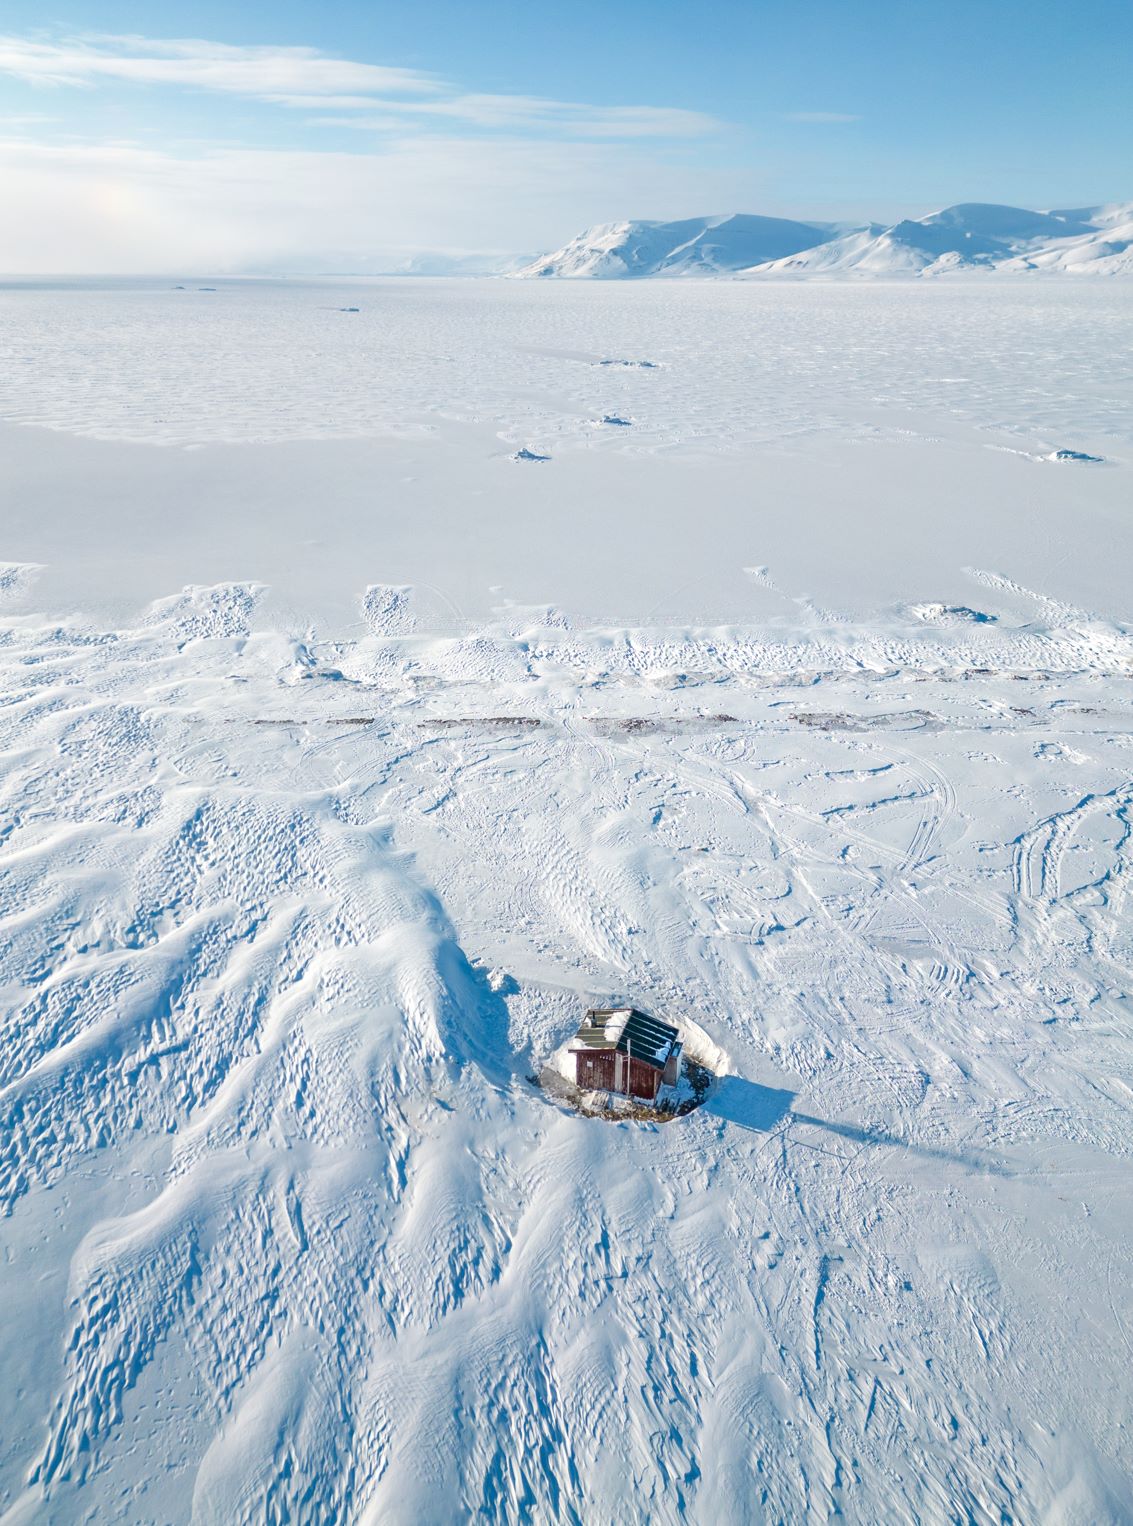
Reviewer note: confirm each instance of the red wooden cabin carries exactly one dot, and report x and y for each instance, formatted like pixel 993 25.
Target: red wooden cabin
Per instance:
pixel 619 1049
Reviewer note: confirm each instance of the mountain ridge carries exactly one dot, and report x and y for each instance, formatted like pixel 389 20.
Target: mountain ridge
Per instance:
pixel 966 236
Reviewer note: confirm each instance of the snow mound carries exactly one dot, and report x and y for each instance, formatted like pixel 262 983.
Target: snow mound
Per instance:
pixel 206 612
pixel 16 578
pixel 951 614
pixel 386 609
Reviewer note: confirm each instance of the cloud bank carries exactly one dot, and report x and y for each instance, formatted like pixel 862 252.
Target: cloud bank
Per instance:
pixel 390 162
pixel 120 208
pixel 304 79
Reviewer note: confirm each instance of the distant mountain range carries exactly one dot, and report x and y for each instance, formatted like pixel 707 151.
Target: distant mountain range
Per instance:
pixel 971 236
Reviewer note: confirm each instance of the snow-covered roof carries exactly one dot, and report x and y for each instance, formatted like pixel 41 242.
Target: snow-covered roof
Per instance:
pixel 629 1031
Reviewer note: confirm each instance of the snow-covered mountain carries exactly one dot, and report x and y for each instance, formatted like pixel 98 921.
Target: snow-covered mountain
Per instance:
pixel 694 246
pixel 969 236
pixel 1105 249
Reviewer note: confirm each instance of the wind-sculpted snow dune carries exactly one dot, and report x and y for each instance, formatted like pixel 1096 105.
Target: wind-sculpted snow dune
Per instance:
pixel 288 924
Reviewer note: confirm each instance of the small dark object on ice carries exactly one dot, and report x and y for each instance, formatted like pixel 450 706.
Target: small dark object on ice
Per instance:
pixel 350 309
pixel 1073 455
pixel 612 418
pixel 528 455
pixel 632 365
pixel 956 612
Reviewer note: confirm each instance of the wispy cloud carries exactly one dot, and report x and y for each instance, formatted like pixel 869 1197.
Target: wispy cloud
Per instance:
pixel 305 79
pixel 534 112
pixel 27 119
pixel 265 72
pixel 821 116
pixel 433 167
pixel 521 113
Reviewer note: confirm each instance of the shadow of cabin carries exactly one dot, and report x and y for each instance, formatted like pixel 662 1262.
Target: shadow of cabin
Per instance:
pixel 626 1051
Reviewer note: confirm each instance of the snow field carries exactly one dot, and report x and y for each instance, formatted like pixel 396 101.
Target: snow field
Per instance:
pixel 285 949
pixel 297 890
pixel 734 366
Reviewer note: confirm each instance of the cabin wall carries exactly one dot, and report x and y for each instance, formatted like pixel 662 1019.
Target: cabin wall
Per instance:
pixel 642 1081
pixel 604 1070
pixel 594 1070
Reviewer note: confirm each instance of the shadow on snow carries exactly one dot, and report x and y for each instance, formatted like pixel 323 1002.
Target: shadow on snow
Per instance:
pixel 761 1109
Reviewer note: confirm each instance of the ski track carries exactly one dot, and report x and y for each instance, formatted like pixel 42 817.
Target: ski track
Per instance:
pixel 332 1258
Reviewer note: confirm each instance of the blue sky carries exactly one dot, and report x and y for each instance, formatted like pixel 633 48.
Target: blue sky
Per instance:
pixel 302 135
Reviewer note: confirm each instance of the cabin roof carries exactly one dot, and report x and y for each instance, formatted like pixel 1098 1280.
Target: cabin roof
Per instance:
pixel 628 1031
